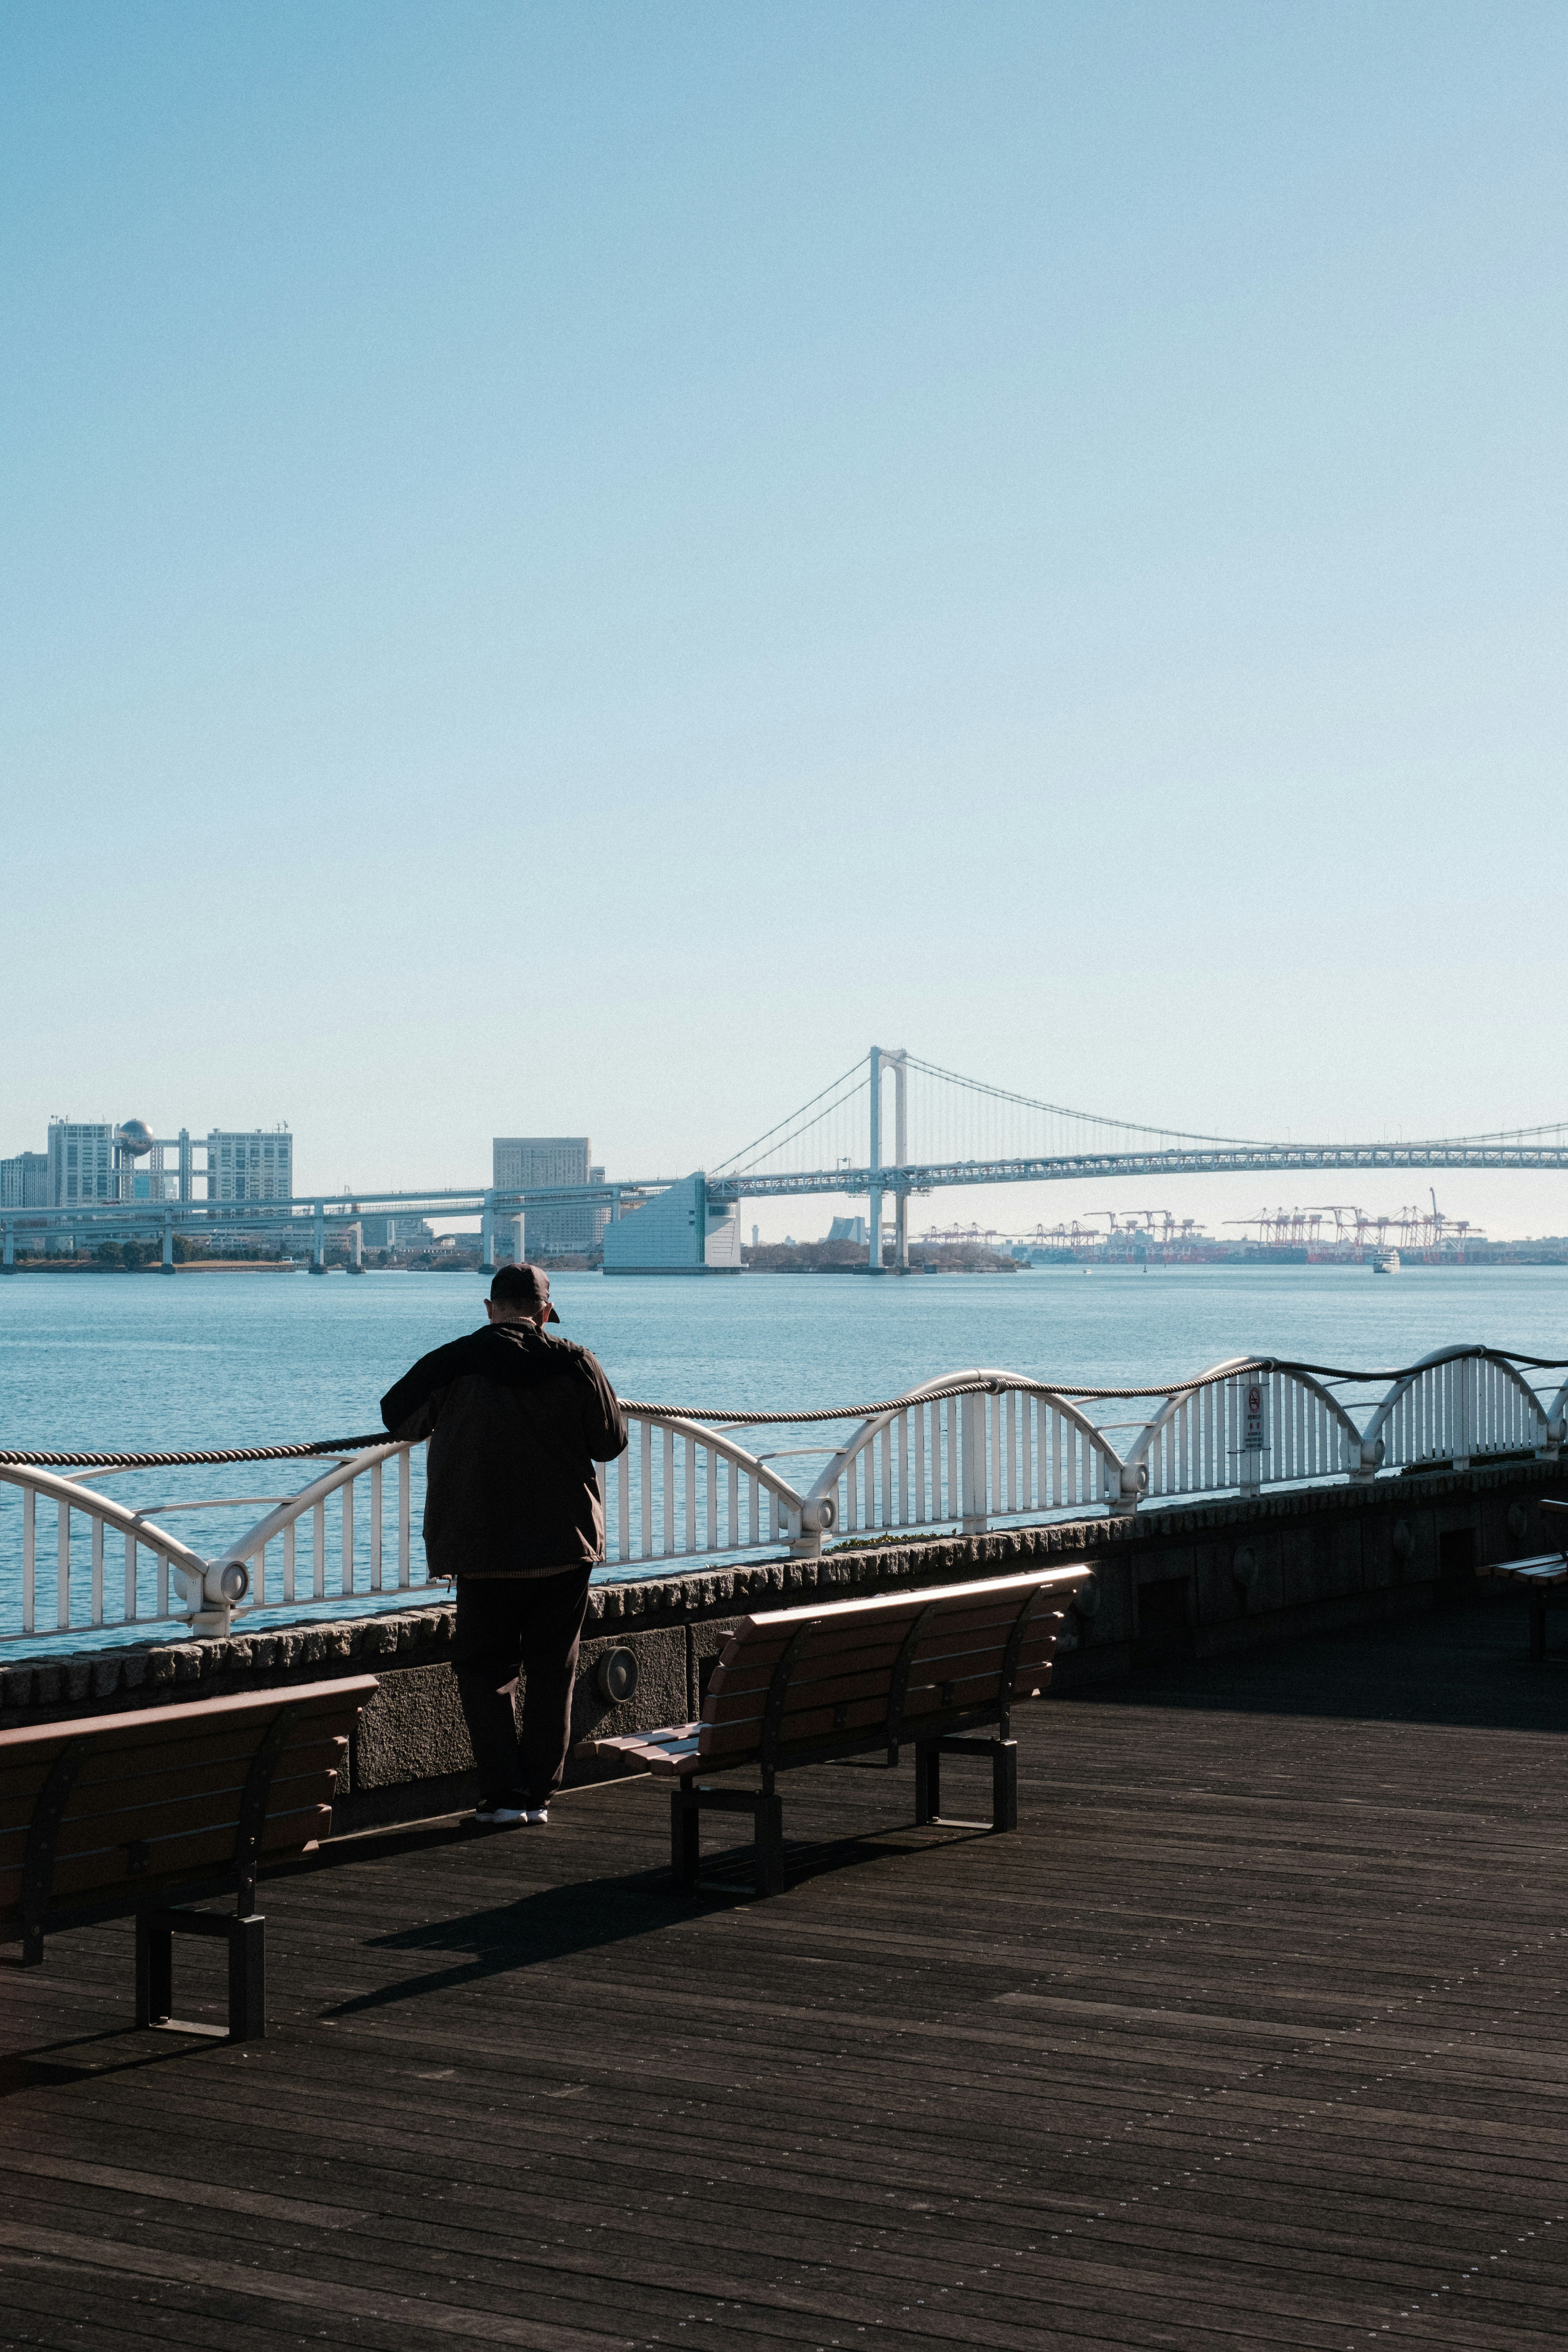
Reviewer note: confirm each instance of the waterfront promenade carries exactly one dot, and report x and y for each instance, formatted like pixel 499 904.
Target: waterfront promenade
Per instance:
pixel 1251 2038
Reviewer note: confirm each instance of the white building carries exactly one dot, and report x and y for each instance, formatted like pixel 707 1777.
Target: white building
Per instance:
pixel 520 1163
pixel 81 1162
pixel 251 1163
pixel 680 1231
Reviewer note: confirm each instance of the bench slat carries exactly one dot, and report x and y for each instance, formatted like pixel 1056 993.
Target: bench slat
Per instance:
pixel 107 1831
pixel 907 1604
pixel 1545 1568
pixel 180 1861
pixel 759 1653
pixel 809 1727
pixel 815 1682
pixel 146 1726
pixel 90 1798
pixel 104 1764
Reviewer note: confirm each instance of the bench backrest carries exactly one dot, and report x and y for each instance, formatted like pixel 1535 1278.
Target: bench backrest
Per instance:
pixel 799 1680
pixel 131 1806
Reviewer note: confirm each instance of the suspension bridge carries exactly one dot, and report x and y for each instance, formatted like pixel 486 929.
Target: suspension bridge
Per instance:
pixel 1006 1137
pixel 945 1131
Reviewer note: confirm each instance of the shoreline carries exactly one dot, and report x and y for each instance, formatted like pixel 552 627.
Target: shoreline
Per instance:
pixel 192 1265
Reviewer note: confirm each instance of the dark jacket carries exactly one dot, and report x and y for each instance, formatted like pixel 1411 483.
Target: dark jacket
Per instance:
pixel 516 1421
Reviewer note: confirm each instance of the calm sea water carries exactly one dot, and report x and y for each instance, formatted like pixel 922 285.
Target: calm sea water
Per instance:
pixel 141 1362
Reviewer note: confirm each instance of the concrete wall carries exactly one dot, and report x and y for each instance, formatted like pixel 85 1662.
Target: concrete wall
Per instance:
pixel 1192 1581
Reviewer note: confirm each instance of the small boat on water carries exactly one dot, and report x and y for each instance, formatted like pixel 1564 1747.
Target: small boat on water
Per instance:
pixel 1386 1262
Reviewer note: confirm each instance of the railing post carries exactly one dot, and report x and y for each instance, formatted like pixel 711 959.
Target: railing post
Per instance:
pixel 1126 1484
pixel 972 1461
pixel 1465 1436
pixel 1363 1459
pixel 1254 1433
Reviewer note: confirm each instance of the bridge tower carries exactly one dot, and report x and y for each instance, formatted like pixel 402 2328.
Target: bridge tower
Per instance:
pixel 898 1060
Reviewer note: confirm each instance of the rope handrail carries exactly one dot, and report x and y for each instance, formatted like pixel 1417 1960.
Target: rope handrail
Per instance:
pixel 331 1446
pixel 192 1460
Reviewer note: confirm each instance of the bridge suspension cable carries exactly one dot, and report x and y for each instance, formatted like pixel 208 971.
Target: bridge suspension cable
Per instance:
pixel 960 1129
pixel 845 1089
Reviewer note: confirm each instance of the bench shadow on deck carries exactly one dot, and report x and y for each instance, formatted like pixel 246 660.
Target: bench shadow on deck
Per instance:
pixel 1249 2038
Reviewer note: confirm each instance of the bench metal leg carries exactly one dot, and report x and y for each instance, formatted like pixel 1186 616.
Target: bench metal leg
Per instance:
pixel 685 1837
pixel 686 1806
pixel 154 1970
pixel 1004 1755
pixel 1004 1785
pixel 1538 1625
pixel 246 1941
pixel 248 1978
pixel 928 1782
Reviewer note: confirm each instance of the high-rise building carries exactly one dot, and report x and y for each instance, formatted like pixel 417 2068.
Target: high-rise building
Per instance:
pixel 81 1162
pixel 251 1164
pixel 24 1180
pixel 521 1162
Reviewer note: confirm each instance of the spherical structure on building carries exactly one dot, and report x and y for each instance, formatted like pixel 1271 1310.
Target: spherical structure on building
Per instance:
pixel 135 1136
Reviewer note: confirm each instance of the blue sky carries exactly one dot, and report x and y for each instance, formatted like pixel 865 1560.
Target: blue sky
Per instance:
pixel 566 569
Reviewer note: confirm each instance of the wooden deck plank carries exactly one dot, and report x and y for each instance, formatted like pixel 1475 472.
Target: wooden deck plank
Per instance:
pixel 1244 2041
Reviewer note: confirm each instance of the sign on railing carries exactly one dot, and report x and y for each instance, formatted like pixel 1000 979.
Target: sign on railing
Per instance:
pixel 966 1452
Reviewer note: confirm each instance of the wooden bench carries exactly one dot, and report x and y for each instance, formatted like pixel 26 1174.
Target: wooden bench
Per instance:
pixel 142 1812
pixel 1544 1576
pixel 929 1668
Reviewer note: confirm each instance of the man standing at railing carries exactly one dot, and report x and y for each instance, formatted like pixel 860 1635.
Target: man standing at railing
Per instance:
pixel 516 1421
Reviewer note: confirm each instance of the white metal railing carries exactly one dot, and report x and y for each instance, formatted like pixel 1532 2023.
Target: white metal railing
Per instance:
pixel 964 1452
pixel 681 1489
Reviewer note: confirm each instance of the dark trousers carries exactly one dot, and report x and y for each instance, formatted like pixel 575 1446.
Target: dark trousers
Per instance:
pixel 505 1623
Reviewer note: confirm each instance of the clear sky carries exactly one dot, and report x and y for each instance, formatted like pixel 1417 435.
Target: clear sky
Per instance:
pixel 566 569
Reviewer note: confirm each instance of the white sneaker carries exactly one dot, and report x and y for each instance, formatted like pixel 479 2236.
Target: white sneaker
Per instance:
pixel 536 1816
pixel 492 1815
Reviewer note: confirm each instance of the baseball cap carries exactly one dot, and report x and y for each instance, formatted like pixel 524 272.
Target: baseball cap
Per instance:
pixel 524 1285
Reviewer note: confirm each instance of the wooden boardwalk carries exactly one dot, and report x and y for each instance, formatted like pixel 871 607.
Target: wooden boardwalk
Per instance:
pixel 1253 2037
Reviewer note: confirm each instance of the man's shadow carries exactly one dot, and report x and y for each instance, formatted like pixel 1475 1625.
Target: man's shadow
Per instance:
pixel 555 1923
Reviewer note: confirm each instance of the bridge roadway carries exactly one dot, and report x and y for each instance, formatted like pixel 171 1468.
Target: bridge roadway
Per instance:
pixel 1215 1160
pixel 345 1205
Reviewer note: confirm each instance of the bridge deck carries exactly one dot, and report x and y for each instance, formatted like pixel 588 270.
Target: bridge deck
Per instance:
pixel 1251 2038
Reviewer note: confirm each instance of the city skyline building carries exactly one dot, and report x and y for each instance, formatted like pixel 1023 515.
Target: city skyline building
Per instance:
pixel 24 1180
pixel 98 1162
pixel 81 1163
pixel 519 1162
pixel 249 1163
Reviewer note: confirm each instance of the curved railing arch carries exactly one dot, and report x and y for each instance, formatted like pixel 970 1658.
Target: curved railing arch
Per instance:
pixel 202 1582
pixel 1455 1403
pixel 1244 1423
pixel 681 1488
pixel 1007 1446
pixel 360 1472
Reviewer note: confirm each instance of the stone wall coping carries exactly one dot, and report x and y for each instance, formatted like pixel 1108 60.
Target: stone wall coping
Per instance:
pixel 145 1673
